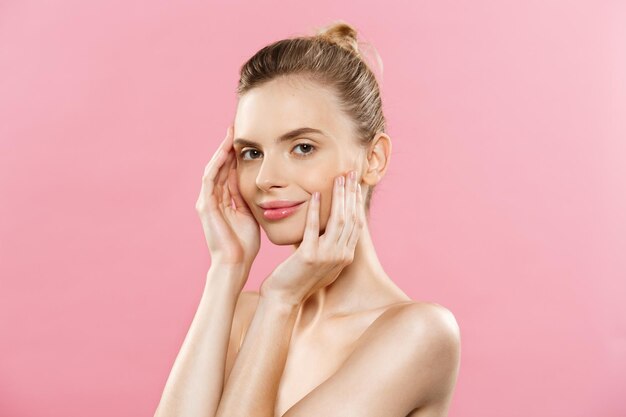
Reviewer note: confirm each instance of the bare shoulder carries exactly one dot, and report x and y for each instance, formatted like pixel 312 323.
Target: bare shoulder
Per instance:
pixel 429 320
pixel 420 319
pixel 426 340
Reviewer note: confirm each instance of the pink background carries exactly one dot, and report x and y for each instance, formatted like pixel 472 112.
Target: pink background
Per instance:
pixel 505 200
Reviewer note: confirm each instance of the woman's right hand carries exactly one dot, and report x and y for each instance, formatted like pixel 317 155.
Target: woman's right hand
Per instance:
pixel 232 233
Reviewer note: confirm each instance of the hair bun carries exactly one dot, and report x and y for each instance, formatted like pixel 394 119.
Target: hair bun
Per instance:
pixel 342 34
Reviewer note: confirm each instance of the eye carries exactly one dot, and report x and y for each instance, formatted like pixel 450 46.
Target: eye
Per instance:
pixel 307 149
pixel 304 147
pixel 247 150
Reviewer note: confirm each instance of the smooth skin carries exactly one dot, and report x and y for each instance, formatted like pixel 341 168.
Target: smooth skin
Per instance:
pixel 329 333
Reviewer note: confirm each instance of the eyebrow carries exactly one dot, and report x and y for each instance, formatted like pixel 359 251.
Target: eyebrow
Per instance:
pixel 282 138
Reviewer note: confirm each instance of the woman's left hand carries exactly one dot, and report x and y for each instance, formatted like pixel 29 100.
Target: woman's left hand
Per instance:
pixel 319 259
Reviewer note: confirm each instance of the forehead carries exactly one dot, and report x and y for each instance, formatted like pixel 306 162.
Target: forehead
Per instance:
pixel 287 103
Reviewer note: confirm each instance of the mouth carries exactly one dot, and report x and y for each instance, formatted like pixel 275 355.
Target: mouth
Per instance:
pixel 279 213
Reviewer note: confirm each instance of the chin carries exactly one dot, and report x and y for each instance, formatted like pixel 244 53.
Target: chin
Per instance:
pixel 283 235
pixel 282 240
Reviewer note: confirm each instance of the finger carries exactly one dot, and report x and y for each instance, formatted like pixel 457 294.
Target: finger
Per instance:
pixel 356 232
pixel 227 200
pixel 211 170
pixel 310 238
pixel 222 174
pixel 208 179
pixel 350 209
pixel 221 188
pixel 240 204
pixel 222 148
pixel 336 221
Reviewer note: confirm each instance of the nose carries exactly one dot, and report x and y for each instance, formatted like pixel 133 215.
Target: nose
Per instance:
pixel 270 174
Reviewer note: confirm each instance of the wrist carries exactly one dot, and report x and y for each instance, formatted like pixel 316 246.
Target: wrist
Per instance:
pixel 229 265
pixel 224 259
pixel 227 274
pixel 278 297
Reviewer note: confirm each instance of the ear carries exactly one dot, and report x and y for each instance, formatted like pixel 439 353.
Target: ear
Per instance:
pixel 378 156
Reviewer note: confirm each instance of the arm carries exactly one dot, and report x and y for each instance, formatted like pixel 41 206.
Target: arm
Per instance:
pixel 252 386
pixel 195 384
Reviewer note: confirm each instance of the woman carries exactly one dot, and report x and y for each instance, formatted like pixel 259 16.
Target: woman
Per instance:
pixel 329 333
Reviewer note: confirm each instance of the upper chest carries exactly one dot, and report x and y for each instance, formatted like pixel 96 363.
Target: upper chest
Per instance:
pixel 315 356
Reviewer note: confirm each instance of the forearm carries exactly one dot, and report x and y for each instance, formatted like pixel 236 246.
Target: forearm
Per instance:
pixel 196 381
pixel 252 386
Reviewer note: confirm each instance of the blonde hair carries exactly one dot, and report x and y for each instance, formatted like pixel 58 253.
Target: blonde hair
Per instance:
pixel 332 58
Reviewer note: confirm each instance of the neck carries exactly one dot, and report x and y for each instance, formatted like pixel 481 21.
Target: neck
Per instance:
pixel 360 286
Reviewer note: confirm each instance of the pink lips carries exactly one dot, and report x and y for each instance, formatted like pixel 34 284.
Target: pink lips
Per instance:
pixel 280 212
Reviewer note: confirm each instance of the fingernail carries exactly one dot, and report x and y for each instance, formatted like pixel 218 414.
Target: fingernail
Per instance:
pixel 316 196
pixel 352 175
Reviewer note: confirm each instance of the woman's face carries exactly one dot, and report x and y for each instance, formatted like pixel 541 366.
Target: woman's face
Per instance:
pixel 294 168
